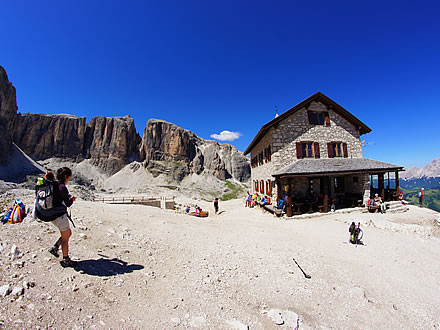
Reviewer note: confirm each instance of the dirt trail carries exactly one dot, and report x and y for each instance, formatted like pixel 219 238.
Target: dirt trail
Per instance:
pixel 143 267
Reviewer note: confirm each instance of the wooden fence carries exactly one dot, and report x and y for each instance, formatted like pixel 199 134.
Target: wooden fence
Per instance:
pixel 162 202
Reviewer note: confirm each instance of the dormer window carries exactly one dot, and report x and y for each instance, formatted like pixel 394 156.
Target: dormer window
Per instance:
pixel 318 117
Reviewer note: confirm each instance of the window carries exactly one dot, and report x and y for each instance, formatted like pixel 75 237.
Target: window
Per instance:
pixel 339 184
pixel 267 155
pixel 337 149
pixel 307 150
pixel 262 186
pixel 269 187
pixel 318 118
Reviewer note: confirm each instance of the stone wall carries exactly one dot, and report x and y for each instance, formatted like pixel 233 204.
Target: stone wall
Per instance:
pixel 282 139
pixel 296 128
pixel 265 171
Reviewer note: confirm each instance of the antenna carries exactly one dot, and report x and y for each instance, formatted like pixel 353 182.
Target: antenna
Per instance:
pixel 365 143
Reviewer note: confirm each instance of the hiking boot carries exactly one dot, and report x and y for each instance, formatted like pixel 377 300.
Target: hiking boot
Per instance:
pixel 54 251
pixel 67 262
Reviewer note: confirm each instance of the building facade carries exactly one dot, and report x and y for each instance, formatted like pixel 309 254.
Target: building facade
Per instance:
pixel 315 148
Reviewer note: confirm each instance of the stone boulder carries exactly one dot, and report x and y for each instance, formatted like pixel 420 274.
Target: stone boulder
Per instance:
pixel 8 113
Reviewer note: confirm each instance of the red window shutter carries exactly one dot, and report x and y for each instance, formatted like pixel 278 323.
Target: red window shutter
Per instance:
pixel 299 150
pixel 326 118
pixel 330 150
pixel 310 115
pixel 316 147
pixel 344 146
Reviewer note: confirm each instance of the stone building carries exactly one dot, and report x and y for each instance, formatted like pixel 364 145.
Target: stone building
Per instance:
pixel 311 156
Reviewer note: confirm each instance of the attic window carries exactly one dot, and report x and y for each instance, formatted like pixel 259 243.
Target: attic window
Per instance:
pixel 318 117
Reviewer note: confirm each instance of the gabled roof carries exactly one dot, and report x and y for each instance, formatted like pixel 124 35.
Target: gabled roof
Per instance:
pixel 317 97
pixel 327 166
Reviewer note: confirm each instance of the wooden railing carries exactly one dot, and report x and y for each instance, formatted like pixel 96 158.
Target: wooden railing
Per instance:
pixel 162 202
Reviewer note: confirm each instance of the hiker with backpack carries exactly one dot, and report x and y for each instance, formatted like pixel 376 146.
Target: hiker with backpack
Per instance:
pixel 52 201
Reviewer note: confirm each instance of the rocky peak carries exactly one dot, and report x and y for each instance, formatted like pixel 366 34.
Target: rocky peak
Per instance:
pixel 169 149
pixel 43 136
pixel 8 113
pixel 431 170
pixel 110 142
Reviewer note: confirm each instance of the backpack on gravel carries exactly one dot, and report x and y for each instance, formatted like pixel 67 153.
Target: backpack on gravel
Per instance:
pixel 16 213
pixel 44 209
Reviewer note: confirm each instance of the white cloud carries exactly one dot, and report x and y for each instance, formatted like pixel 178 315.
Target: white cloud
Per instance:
pixel 226 136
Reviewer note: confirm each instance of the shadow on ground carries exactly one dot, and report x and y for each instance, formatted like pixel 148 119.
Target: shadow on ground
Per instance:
pixel 106 267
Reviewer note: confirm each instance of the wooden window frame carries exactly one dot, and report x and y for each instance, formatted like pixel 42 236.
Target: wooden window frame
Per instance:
pixel 338 150
pixel 321 118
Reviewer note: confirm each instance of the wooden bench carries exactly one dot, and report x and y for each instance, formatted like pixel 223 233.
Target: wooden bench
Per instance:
pixel 272 209
pixel 375 208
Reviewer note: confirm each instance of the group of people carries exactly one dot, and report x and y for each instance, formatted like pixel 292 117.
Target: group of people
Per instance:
pixel 254 199
pixel 198 209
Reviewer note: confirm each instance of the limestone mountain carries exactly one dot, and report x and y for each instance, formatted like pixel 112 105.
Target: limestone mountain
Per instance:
pixel 108 142
pixel 8 113
pixel 169 149
pixel 431 170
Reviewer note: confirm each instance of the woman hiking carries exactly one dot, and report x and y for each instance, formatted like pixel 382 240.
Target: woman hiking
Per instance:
pixel 61 196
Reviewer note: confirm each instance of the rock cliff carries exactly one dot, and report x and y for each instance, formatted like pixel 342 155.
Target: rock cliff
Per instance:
pixel 8 113
pixel 169 149
pixel 44 136
pixel 108 142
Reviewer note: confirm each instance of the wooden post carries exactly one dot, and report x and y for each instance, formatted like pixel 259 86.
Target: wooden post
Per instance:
pixel 326 190
pixel 381 180
pixel 278 190
pixel 397 185
pixel 289 206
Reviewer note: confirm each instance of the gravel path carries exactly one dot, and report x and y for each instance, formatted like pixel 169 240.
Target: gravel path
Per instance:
pixel 143 267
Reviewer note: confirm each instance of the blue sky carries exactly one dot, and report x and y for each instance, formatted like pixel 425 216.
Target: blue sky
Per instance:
pixel 212 66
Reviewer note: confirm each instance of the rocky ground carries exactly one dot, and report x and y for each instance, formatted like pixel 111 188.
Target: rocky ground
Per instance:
pixel 143 267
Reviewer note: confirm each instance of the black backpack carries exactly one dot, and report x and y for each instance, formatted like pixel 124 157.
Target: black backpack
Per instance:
pixel 44 208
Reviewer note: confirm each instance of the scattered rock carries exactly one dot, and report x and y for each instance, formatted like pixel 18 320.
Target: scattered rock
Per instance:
pixel 175 321
pixel 197 321
pixel 285 317
pixel 234 324
pixel 15 252
pixel 5 290
pixel 276 316
pixel 17 291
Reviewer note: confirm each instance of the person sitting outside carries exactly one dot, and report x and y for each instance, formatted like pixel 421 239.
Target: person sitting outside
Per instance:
pixel 187 209
pixel 378 201
pixel 404 202
pixel 280 205
pixel 198 210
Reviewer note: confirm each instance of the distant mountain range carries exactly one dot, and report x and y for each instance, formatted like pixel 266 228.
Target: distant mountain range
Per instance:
pixel 413 179
pixel 432 170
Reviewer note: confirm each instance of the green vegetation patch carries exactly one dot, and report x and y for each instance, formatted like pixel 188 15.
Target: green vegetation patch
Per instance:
pixel 236 191
pixel 431 199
